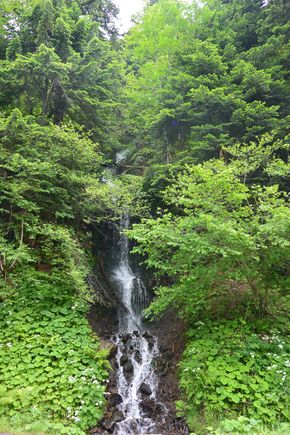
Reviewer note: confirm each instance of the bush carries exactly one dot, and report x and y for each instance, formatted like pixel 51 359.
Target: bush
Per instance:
pixel 52 372
pixel 231 369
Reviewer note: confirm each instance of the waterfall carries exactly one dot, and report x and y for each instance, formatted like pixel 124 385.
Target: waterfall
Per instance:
pixel 137 349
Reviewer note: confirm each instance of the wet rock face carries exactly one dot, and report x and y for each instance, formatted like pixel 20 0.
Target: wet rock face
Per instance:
pixel 108 425
pixel 121 329
pixel 151 408
pixel 145 390
pixel 128 368
pixel 115 399
pixel 136 382
pixel 118 416
pixel 135 403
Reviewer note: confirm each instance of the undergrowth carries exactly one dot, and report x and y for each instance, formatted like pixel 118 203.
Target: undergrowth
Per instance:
pixel 235 378
pixel 52 371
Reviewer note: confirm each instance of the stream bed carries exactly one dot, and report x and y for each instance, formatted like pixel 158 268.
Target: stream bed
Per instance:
pixel 143 384
pixel 137 349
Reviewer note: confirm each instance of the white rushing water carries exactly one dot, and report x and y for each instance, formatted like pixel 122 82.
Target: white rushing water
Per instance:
pixel 137 349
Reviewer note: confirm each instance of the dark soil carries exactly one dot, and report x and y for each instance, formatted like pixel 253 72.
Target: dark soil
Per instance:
pixel 170 333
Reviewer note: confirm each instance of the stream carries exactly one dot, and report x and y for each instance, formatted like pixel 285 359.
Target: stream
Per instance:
pixel 137 349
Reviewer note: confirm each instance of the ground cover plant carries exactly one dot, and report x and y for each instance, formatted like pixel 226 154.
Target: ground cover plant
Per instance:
pixel 52 370
pixel 232 369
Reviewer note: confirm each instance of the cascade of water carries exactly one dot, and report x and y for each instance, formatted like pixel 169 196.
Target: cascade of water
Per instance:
pixel 137 349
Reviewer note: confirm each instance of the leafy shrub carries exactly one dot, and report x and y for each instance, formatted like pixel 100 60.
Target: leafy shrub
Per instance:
pixel 248 425
pixel 231 370
pixel 52 371
pixel 217 235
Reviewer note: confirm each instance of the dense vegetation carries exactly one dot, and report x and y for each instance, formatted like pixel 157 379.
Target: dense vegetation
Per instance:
pixel 201 79
pixel 208 91
pixel 197 98
pixel 58 88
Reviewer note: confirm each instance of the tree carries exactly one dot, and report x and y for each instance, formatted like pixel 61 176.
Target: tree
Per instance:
pixel 218 236
pixel 59 65
pixel 45 173
pixel 205 77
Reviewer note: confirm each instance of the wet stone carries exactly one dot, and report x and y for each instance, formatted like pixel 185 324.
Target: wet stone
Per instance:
pixel 126 338
pixel 128 367
pixel 150 344
pixel 138 357
pixel 108 425
pixel 145 389
pixel 115 365
pixel 151 408
pixel 118 416
pixel 123 360
pixel 113 350
pixel 147 335
pixel 149 338
pixel 115 400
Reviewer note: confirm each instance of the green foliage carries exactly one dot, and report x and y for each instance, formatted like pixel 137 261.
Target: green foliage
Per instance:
pixel 107 200
pixel 52 371
pixel 260 156
pixel 56 64
pixel 221 243
pixel 45 171
pixel 202 77
pixel 243 425
pixel 206 91
pixel 59 77
pixel 232 369
pixel 211 85
pixel 59 82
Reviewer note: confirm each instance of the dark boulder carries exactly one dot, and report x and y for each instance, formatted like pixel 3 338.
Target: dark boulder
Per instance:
pixel 138 357
pixel 118 416
pixel 108 425
pixel 149 338
pixel 123 360
pixel 115 400
pixel 150 407
pixel 126 338
pixel 128 367
pixel 147 335
pixel 145 390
